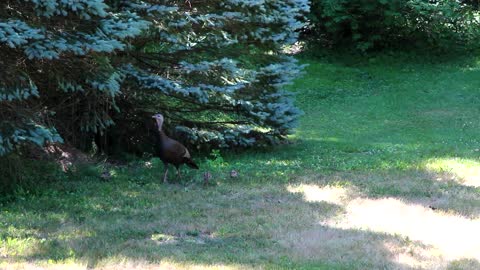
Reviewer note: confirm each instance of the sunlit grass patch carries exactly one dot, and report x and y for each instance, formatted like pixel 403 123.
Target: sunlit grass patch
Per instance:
pixel 384 231
pixel 462 170
pixel 47 265
pixel 166 264
pixel 449 236
pixel 121 264
pixel 313 193
pixel 18 246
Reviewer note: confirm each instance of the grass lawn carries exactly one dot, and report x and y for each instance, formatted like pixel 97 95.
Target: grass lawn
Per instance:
pixel 383 173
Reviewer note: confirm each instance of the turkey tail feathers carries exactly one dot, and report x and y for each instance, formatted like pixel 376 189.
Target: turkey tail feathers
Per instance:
pixel 191 164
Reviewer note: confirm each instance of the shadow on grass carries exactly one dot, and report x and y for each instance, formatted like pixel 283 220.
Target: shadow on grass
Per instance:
pixel 432 190
pixel 347 57
pixel 375 174
pixel 119 224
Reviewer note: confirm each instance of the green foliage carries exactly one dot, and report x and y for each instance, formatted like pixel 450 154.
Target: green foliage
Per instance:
pixel 215 162
pixel 94 64
pixel 373 24
pixel 67 86
pixel 217 74
pixel 20 178
pixel 9 176
pixel 364 23
pixel 446 24
pixel 216 158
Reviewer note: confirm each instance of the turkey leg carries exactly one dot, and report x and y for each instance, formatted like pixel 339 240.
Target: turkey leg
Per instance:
pixel 165 174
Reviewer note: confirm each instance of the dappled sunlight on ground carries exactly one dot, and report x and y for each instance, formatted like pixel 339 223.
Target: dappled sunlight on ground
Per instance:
pixel 120 264
pixel 163 265
pixel 452 237
pixel 314 193
pixel 385 231
pixel 464 171
pixel 45 265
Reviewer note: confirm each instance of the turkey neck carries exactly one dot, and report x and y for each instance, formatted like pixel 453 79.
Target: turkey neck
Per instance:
pixel 160 130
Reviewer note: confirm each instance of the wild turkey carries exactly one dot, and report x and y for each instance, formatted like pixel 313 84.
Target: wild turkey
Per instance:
pixel 171 151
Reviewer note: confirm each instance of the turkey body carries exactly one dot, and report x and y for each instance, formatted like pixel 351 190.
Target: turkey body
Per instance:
pixel 171 151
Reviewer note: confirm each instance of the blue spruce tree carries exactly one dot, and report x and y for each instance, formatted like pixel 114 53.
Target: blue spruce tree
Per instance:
pixel 73 69
pixel 55 70
pixel 215 69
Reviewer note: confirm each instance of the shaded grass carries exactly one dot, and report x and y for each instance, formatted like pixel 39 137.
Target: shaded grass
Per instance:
pixel 376 129
pixel 152 222
pixel 381 113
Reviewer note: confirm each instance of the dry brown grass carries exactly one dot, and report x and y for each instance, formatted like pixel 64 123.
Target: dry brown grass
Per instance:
pixel 392 232
pixel 120 264
pixel 381 220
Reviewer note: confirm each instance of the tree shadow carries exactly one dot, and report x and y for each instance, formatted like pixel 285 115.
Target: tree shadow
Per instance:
pixel 349 58
pixel 464 264
pixel 95 224
pixel 374 174
pixel 432 190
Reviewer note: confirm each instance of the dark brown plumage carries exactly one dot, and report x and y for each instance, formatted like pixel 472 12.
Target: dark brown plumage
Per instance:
pixel 171 151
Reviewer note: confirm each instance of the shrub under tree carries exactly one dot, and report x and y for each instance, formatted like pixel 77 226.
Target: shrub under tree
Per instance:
pixel 377 24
